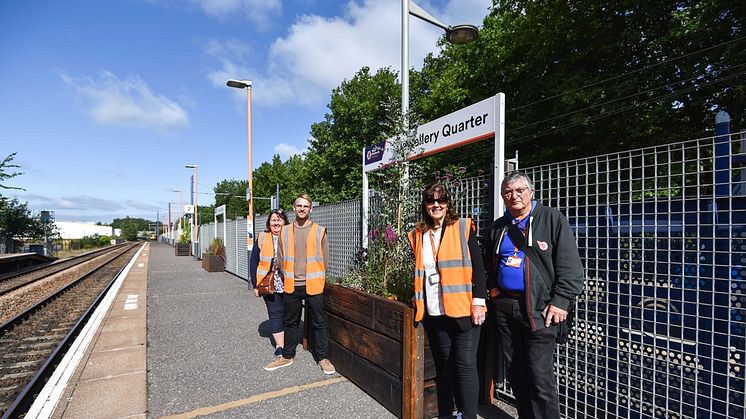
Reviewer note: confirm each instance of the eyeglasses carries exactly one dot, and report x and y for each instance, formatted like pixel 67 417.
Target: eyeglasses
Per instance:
pixel 277 211
pixel 302 206
pixel 432 201
pixel 518 191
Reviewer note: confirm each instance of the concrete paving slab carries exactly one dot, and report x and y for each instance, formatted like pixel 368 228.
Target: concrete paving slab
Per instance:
pixel 115 397
pixel 115 340
pixel 103 364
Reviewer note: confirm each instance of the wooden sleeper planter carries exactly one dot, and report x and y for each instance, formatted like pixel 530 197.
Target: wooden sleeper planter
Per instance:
pixel 183 249
pixel 375 343
pixel 213 263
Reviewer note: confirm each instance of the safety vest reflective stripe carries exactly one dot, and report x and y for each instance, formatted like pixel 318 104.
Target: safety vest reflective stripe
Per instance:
pixel 450 289
pixel 266 255
pixel 458 263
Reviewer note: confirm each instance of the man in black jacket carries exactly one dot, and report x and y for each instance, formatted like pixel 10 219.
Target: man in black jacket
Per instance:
pixel 534 274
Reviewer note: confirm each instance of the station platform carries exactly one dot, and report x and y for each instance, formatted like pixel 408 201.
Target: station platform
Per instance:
pixel 180 342
pixel 13 262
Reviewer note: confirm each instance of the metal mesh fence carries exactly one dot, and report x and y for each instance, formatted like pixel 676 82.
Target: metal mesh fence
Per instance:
pixel 342 220
pixel 661 327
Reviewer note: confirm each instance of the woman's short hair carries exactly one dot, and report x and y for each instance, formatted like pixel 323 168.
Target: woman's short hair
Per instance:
pixel 280 213
pixel 439 189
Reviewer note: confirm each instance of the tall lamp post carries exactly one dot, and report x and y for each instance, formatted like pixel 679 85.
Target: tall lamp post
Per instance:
pixel 195 219
pixel 246 84
pixel 178 230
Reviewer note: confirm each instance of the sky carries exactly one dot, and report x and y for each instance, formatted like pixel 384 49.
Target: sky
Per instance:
pixel 105 102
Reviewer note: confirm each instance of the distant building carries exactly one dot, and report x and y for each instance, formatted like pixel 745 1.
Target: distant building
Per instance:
pixel 71 231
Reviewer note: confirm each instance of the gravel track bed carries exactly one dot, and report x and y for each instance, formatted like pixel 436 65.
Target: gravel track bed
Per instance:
pixel 25 347
pixel 17 301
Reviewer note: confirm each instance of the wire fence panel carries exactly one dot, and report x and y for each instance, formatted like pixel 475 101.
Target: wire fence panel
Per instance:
pixel 343 224
pixel 661 327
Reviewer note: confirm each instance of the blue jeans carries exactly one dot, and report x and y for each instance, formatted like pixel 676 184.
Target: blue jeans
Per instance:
pixel 275 310
pixel 529 359
pixel 455 355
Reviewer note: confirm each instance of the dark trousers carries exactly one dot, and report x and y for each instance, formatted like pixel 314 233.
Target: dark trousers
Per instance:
pixel 529 359
pixel 455 355
pixel 275 309
pixel 316 318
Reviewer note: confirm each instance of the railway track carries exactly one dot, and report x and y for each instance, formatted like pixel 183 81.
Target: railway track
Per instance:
pixel 15 280
pixel 34 341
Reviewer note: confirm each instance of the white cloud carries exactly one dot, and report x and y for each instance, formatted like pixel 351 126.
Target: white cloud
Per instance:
pixel 318 53
pixel 286 150
pixel 129 102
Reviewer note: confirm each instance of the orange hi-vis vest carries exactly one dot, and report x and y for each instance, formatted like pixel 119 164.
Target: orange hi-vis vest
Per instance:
pixel 265 256
pixel 454 266
pixel 315 271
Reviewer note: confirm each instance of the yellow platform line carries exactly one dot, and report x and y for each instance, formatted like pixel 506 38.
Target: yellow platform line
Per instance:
pixel 253 399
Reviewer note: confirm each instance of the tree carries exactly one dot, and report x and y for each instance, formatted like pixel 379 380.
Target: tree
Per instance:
pixel 17 222
pixel 584 77
pixel 358 111
pixel 6 164
pixel 232 194
pixel 131 226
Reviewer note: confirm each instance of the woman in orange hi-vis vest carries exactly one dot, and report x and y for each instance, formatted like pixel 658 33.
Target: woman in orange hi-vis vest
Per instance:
pixel 263 260
pixel 450 292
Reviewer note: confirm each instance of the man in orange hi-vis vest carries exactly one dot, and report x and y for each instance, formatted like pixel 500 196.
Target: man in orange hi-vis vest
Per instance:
pixel 302 253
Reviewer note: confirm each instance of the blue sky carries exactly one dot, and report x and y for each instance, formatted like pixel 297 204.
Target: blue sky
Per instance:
pixel 106 101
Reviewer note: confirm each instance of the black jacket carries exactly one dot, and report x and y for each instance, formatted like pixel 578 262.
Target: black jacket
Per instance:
pixel 550 236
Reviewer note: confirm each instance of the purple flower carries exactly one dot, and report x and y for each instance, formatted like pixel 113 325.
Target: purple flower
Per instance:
pixel 390 235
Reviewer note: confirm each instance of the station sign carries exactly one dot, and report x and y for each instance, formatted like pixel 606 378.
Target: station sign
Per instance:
pixel 188 209
pixel 472 123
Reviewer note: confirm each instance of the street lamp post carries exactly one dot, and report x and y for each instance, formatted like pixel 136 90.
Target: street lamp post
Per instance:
pixel 246 84
pixel 170 227
pixel 180 217
pixel 195 219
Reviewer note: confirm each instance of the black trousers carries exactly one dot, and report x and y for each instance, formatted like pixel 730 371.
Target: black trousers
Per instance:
pixel 316 319
pixel 529 359
pixel 455 355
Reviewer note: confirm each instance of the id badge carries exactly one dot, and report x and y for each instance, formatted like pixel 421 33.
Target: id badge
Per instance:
pixel 434 278
pixel 513 262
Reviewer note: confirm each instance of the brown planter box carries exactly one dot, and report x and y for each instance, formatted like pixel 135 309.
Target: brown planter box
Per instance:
pixel 212 263
pixel 183 249
pixel 375 343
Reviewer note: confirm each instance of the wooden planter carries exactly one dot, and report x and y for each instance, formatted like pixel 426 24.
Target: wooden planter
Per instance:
pixel 212 263
pixel 183 249
pixel 375 343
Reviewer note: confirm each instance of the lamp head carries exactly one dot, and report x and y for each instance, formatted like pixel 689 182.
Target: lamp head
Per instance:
pixel 239 84
pixel 190 166
pixel 462 34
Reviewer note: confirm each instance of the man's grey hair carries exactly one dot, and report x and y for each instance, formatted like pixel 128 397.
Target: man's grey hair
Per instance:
pixel 517 175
